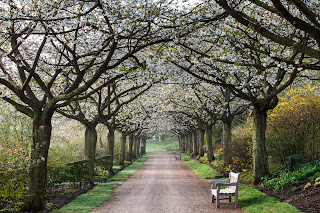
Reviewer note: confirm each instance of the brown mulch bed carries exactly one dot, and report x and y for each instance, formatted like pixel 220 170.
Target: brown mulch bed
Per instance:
pixel 59 196
pixel 306 200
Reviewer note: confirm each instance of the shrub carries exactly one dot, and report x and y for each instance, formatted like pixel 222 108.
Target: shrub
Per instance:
pixel 293 162
pixel 281 145
pixel 58 174
pixel 218 161
pixel 285 178
pixel 241 149
pixel 13 173
pixel 76 171
pixel 290 124
pixel 218 154
pixel 104 162
pixel 236 166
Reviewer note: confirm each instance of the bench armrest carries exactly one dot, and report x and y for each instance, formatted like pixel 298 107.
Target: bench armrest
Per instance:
pixel 227 184
pixel 215 182
pixel 219 181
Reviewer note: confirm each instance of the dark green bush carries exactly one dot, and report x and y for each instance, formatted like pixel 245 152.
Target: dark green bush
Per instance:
pixel 281 145
pixel 71 172
pixel 104 162
pixel 76 171
pixel 79 171
pixel 58 174
pixel 293 162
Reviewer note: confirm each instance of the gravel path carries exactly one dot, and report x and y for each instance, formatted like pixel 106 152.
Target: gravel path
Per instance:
pixel 163 184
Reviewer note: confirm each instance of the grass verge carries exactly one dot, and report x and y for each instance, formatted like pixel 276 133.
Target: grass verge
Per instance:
pixel 102 192
pixel 156 146
pixel 250 198
pixel 201 169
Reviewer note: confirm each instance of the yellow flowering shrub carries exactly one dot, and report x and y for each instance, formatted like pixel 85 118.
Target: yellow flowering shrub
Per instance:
pixel 290 124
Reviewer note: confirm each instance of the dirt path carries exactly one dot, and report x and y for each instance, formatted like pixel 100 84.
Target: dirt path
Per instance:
pixel 163 184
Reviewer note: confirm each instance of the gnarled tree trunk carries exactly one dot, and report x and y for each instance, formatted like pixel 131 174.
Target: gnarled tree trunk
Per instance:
pixel 227 141
pixel 260 161
pixel 90 149
pixel 36 180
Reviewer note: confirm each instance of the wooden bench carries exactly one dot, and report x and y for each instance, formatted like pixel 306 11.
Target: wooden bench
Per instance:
pixel 178 155
pixel 168 148
pixel 231 190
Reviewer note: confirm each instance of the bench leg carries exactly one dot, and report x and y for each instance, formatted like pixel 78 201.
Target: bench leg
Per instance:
pixel 212 199
pixel 236 200
pixel 218 201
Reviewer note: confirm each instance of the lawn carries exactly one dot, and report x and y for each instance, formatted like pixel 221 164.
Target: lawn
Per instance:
pixel 156 146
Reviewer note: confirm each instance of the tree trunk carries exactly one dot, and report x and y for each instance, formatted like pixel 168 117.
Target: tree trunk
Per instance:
pixel 209 142
pixel 134 152
pixel 143 146
pixel 201 151
pixel 183 146
pixel 260 161
pixel 227 141
pixel 130 148
pixel 195 143
pixel 111 146
pixel 90 150
pixel 138 146
pixel 36 180
pixel 123 148
pixel 190 143
pixel 186 142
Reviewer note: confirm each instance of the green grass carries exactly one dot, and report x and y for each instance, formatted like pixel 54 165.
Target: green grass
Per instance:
pixel 250 198
pixel 204 170
pixel 129 170
pixel 102 192
pixel 87 202
pixel 156 146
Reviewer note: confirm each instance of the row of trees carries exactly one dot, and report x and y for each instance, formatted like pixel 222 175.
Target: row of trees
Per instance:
pixel 56 54
pixel 87 60
pixel 255 52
